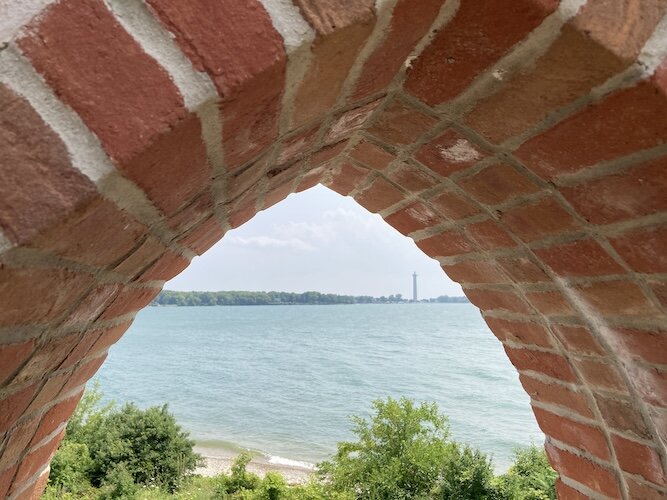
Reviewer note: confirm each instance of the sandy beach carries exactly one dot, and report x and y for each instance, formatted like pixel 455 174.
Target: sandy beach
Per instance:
pixel 220 460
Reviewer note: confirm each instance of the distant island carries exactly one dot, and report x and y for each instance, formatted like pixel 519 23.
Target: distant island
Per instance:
pixel 241 298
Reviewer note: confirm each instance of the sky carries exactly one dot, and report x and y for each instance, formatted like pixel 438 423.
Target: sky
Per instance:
pixel 316 240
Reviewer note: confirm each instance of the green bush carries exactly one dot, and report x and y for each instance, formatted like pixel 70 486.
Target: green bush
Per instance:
pixel 529 478
pixel 239 481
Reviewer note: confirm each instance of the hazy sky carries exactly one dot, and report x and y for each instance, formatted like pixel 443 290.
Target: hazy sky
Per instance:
pixel 316 240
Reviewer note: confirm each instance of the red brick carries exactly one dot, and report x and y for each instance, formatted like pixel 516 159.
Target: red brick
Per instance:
pixel 635 192
pixel 498 184
pixel 644 250
pixel 99 70
pixel 579 258
pixel 413 217
pixel 660 291
pixel 199 209
pixel 371 155
pixel 622 415
pixel 522 270
pixel 616 298
pixel 277 195
pixel 204 236
pixel 519 331
pixel 37 459
pixel 92 306
pixel 578 339
pixel 244 213
pixel 84 373
pixel 57 289
pixel 36 489
pixel 297 145
pixel 109 337
pixel 649 345
pixel 453 206
pixel 556 395
pixel 236 44
pixel 13 405
pixel 582 436
pixel 549 303
pixel 474 39
pixel 643 491
pixel 327 153
pixel 167 266
pixel 174 169
pixel 143 256
pixel 409 23
pixel 595 134
pixel 55 416
pixel 80 350
pixel 536 220
pixel 401 124
pixel 130 300
pixel 639 459
pixel 445 244
pixel 312 178
pixel 12 356
pixel 583 471
pixel 245 180
pixel 650 383
pixel 350 121
pixel 282 174
pixel 379 196
pixel 565 492
pixel 47 357
pixel 546 363
pixel 449 153
pixel 601 374
pixel 411 178
pixel 573 64
pixel 474 271
pixel 35 166
pixel 17 441
pixel 342 27
pixel 489 235
pixel 491 300
pixel 346 178
pixel 49 391
pixel 6 477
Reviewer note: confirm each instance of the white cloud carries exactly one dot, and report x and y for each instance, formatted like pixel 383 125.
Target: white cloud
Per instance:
pixel 269 242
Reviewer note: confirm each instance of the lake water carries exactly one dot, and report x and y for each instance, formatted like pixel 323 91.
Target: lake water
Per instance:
pixel 283 380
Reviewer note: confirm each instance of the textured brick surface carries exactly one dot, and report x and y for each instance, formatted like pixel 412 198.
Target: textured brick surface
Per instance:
pixel 449 153
pixel 401 124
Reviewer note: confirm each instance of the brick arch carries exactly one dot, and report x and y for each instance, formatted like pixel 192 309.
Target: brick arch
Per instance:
pixel 521 144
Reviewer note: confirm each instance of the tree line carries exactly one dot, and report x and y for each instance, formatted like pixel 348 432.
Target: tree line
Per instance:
pixel 244 298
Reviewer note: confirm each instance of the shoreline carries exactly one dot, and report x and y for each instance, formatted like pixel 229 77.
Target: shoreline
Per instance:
pixel 218 460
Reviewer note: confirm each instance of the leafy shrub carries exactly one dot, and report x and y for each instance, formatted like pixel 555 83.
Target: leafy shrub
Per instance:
pixel 70 469
pixel 467 473
pixel 529 478
pixel 118 484
pixel 239 481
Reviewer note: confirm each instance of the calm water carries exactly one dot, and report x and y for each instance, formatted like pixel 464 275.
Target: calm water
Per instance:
pixel 283 380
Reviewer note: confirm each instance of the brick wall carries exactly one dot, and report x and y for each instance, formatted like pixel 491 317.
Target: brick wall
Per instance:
pixel 521 144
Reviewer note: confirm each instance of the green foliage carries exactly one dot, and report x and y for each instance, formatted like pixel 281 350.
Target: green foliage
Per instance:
pixel 529 478
pixel 467 473
pixel 70 469
pixel 118 484
pixel 239 481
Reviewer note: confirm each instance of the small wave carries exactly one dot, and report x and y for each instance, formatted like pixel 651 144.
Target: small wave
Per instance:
pixel 273 459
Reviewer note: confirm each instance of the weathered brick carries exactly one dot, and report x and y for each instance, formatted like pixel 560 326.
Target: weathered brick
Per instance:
pixel 445 244
pixel 409 23
pixel 477 36
pixel 277 195
pixel 453 206
pixel 237 45
pixel 616 298
pixel 601 374
pixel 583 471
pixel 522 269
pixel 17 441
pixel 379 195
pixel 524 332
pixel 449 153
pixel 578 339
pixel 579 258
pixel 497 184
pixel 83 373
pixel 93 305
pixel 204 236
pixel 401 124
pixel 35 490
pixel 595 134
pixel 549 302
pixel 635 192
pixel 490 235
pixel 413 217
pixel 556 395
pixel 13 405
pixel 12 356
pixel 491 300
pixel 47 357
pixel 582 436
pixel 536 220
pixel 475 271
pixel 622 415
pixel 350 121
pixel 643 491
pixel 411 178
pixel 55 416
pixel 346 177
pixel 644 250
pixel 141 257
pixel 649 345
pixel 57 289
pixel 639 459
pixel 565 492
pixel 312 178
pixel 547 363
pixel 109 337
pixel 6 477
pixel 371 155
pixel 130 300
pixel 298 144
pixel 37 459
pixel 99 70
pixel 35 166
pixel 167 266
pixel 49 391
pixel 650 383
pixel 327 153
pixel 342 27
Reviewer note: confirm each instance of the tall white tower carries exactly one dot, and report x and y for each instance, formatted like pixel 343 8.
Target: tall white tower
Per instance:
pixel 414 287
